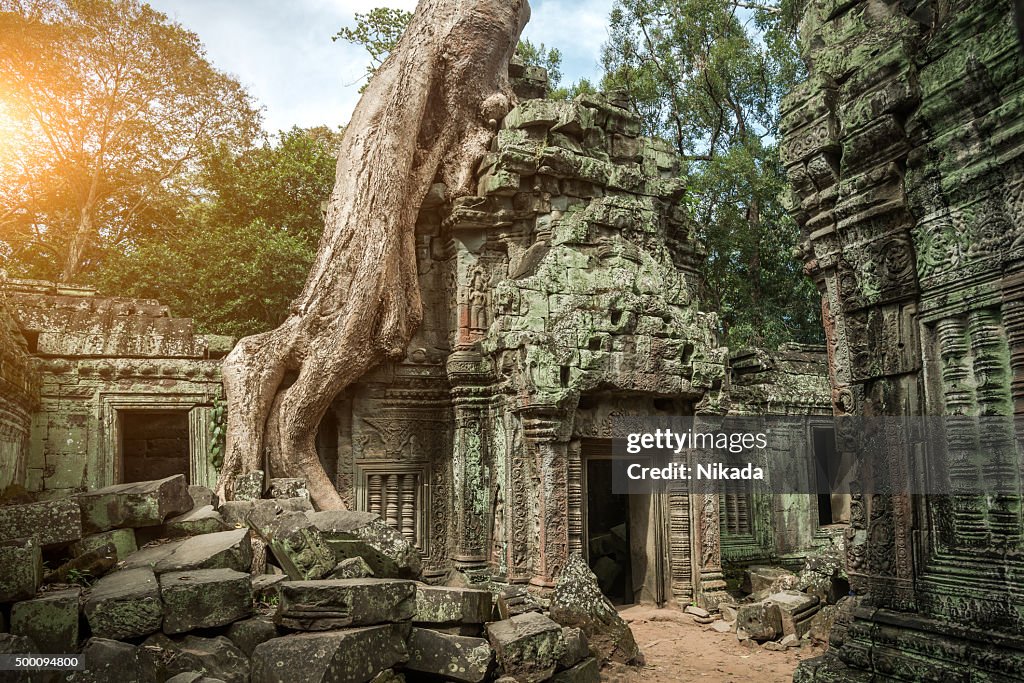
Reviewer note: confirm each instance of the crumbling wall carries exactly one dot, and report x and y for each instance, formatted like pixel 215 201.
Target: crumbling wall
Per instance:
pixel 904 148
pixel 98 358
pixel 19 397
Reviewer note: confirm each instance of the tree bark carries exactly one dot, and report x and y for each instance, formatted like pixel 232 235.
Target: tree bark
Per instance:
pixel 428 114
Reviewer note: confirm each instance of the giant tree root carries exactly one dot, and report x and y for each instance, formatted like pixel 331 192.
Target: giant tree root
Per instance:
pixel 428 114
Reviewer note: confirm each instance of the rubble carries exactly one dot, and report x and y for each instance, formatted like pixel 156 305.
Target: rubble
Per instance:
pixel 204 598
pixel 139 504
pixel 332 604
pixel 50 523
pixel 528 646
pixel 125 604
pixel 355 655
pixel 366 535
pixel 21 569
pixel 50 621
pixel 456 658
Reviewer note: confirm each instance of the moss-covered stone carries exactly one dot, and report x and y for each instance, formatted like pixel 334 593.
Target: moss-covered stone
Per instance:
pixel 527 646
pixel 222 550
pixel 139 504
pixel 51 621
pixel 123 541
pixel 125 604
pixel 204 598
pixel 321 605
pixel 451 657
pixel 446 606
pixel 54 522
pixel 366 535
pixel 353 656
pixel 21 569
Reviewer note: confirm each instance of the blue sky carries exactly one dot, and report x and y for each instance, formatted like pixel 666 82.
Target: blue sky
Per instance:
pixel 283 53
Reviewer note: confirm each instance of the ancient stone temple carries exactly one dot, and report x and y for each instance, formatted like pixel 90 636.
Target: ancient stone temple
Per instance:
pixel 561 296
pixel 19 398
pixel 124 392
pixel 905 151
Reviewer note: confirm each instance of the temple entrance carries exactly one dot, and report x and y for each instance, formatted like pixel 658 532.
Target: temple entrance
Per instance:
pixel 154 444
pixel 623 533
pixel 832 476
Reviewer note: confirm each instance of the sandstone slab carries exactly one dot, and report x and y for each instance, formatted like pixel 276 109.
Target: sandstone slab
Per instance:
pixel 350 656
pixel 451 657
pixel 21 569
pixel 366 535
pixel 440 606
pixel 299 546
pixel 760 621
pixel 51 523
pixel 578 601
pixel 123 541
pixel 222 550
pixel 339 603
pixel 763 578
pixel 587 671
pixel 139 504
pixel 248 633
pixel 108 661
pixel 527 646
pixel 51 621
pixel 163 657
pixel 125 604
pixel 204 598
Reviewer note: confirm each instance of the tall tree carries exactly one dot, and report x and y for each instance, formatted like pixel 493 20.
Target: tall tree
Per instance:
pixel 110 103
pixel 708 76
pixel 235 256
pixel 424 116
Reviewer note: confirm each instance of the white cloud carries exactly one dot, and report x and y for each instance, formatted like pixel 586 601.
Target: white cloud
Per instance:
pixel 283 53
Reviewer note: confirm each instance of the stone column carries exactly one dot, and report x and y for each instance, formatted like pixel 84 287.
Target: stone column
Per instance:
pixel 547 453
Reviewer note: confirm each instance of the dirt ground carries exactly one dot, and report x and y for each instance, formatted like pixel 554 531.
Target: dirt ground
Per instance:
pixel 677 649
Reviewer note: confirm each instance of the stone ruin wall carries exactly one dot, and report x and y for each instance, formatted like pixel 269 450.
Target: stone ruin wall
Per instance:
pixel 905 148
pixel 19 398
pixel 98 358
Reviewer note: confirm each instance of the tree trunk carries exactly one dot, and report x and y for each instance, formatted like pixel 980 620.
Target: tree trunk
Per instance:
pixel 428 114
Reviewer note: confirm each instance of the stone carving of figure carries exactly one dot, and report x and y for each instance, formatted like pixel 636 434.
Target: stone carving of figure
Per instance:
pixel 478 301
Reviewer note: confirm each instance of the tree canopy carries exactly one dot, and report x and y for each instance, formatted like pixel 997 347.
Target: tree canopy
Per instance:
pixel 105 105
pixel 708 76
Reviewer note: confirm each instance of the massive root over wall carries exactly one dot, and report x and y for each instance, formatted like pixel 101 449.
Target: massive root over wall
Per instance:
pixel 429 112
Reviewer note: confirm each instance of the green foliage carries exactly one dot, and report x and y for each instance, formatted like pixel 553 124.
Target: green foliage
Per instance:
pixel 105 105
pixel 240 250
pixel 378 32
pixel 708 77
pixel 218 433
pixel 81 577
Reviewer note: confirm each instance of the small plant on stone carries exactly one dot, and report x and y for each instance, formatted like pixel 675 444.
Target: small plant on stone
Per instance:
pixel 79 577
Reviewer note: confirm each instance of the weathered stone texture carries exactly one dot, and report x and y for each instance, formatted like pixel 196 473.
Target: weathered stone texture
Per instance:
pixel 50 621
pixel 354 655
pixel 50 522
pixel 134 505
pixel 125 604
pixel 452 657
pixel 21 569
pixel 204 598
pixel 527 647
pixel 322 605
pixel 905 164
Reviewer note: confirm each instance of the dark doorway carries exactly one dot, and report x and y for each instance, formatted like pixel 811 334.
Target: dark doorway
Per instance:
pixel 154 444
pixel 833 505
pixel 608 526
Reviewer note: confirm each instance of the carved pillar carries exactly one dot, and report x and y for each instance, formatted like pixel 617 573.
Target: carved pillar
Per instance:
pixel 467 371
pixel 548 453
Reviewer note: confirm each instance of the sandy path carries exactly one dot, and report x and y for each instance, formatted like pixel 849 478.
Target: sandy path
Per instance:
pixel 677 650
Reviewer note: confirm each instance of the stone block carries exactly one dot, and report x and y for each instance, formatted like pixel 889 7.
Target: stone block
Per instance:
pixel 293 487
pixel 203 520
pixel 51 621
pixel 323 605
pixel 759 621
pixel 248 633
pixel 351 656
pixel 576 647
pixel 366 535
pixel 513 600
pixel 163 657
pixel 125 604
pixel 248 486
pixel 202 496
pixel 451 657
pixel 527 646
pixel 578 601
pixel 140 504
pixel 772 579
pixel 796 610
pixel 21 569
pixel 51 523
pixel 222 550
pixel 264 512
pixel 108 661
pixel 233 512
pixel 352 568
pixel 587 671
pixel 204 598
pixel 193 677
pixel 446 606
pixel 123 541
pixel 299 546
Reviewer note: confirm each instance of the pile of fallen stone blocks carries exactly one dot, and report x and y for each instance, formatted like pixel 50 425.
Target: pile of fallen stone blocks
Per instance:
pixel 779 609
pixel 157 581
